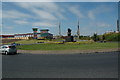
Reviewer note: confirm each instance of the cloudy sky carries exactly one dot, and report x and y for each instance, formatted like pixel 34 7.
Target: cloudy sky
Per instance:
pixel 21 17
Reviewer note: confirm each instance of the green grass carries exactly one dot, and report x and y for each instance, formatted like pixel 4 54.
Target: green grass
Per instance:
pixel 30 41
pixel 88 46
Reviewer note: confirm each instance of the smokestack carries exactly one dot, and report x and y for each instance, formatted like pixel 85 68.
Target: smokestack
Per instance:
pixel 117 25
pixel 78 31
pixel 59 29
pixel 118 29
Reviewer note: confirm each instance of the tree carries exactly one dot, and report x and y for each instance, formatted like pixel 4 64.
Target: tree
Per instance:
pixel 95 37
pixel 103 37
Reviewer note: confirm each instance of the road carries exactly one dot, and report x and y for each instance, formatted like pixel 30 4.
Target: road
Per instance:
pixel 97 65
pixel 0 66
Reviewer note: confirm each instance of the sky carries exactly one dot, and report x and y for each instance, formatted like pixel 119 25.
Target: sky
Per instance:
pixel 60 0
pixel 21 17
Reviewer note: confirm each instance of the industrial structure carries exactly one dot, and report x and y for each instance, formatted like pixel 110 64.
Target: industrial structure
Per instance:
pixel 118 26
pixel 6 36
pixel 78 30
pixel 59 29
pixel 43 34
pixel 35 33
pixel 118 21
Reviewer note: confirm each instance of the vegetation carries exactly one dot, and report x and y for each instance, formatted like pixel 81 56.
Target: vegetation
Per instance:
pixel 6 41
pixel 31 41
pixel 105 37
pixel 69 46
pixel 85 38
pixel 112 37
pixel 95 37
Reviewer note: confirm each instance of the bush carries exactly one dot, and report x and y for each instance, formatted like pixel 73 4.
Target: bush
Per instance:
pixel 112 37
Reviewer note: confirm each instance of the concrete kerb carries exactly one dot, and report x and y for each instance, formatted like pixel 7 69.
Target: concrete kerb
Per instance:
pixel 67 51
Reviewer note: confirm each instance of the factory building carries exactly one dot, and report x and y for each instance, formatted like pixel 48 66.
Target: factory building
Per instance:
pixel 17 36
pixel 6 36
pixel 24 36
pixel 43 34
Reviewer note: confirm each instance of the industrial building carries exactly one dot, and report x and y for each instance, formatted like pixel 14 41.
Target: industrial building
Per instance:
pixel 6 36
pixel 43 34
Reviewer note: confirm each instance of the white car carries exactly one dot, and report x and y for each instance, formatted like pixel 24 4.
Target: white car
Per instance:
pixel 8 49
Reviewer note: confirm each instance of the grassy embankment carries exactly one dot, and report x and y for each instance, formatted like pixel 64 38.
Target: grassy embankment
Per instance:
pixel 87 45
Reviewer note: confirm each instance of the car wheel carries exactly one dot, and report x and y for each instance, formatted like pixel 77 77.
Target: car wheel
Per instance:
pixel 6 53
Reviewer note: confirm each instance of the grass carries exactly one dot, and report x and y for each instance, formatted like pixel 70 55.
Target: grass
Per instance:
pixel 52 41
pixel 66 46
pixel 30 41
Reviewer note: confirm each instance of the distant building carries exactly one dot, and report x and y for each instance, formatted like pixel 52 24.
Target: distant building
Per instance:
pixel 35 32
pixel 25 36
pixel 45 35
pixel 44 31
pixel 6 36
pixel 108 32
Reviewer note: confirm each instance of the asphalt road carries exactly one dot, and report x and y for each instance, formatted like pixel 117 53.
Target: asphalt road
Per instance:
pixel 99 65
pixel 0 66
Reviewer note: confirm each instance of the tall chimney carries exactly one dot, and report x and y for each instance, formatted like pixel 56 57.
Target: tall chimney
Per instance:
pixel 117 25
pixel 59 29
pixel 78 30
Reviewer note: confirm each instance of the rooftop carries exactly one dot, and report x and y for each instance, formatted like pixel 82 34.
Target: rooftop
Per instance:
pixel 44 30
